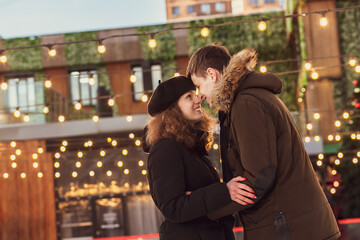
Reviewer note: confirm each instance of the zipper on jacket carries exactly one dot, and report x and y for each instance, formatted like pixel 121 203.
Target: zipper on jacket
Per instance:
pixel 282 229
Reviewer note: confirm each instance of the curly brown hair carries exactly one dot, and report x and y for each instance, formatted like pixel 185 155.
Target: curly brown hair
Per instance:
pixel 172 124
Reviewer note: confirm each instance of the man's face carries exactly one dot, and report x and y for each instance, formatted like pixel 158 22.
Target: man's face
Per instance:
pixel 206 85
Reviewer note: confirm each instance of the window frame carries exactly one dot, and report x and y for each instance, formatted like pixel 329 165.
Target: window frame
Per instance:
pixel 82 71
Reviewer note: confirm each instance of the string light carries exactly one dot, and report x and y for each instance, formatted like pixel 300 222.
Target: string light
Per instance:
pixel 215 146
pixel 307 139
pixel 333 172
pixel 332 190
pixel 309 126
pixel 91 173
pixel 152 41
pixel 319 163
pixel 14 165
pixel 262 26
pixel 62 148
pixel 330 137
pixel 126 171
pixel 34 156
pixel 323 21
pixel 321 156
pixel 91 79
pixel 17 113
pixel 133 77
pixel 141 163
pixel 80 154
pixel 144 172
pixel 111 102
pixel 317 138
pixel 307 66
pixel 137 142
pixel 357 69
pixel 337 123
pixel 129 118
pixel 99 164
pixel 204 32
pixel 353 136
pixel 176 74
pixel 57 155
pixel 13 144
pixel 78 164
pixel 337 162
pixel 78 105
pixel 355 160
pixel 336 184
pixel 102 153
pixel 18 152
pixel 124 152
pixel 26 117
pixel 109 173
pixel 4 86
pixel 74 174
pixel 114 143
pixel 3 57
pixel 46 109
pixel 120 163
pixel 52 51
pixel 314 75
pixel 6 175
pixel 144 98
pixel 337 137
pixel 57 174
pixel 263 69
pixel 352 62
pixel 109 139
pixel 358 154
pixel 101 47
pixel 56 164
pixel 340 155
pixel 61 118
pixel 95 118
pixel 346 115
pixel 12 157
pixel 35 165
pixel 131 136
pixel 40 174
pixel 64 143
pixel 23 175
pixel 47 83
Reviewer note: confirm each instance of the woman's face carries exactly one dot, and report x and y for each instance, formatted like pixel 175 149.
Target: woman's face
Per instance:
pixel 190 106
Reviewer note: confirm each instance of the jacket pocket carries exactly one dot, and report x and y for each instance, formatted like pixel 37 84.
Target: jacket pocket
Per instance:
pixel 282 229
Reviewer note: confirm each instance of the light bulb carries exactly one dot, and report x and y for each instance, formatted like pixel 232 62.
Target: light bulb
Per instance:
pixel 57 174
pixel 137 142
pixel 357 69
pixel 17 113
pixel 129 118
pixel 78 105
pixel 144 98
pixel 91 173
pixel 64 143
pixel 141 163
pixel 337 123
pixel 131 136
pixel 40 174
pixel 111 102
pixel 13 144
pixel 317 116
pixel 314 75
pixel 346 115
pixel 95 118
pixel 91 80
pixel 152 41
pixel 176 74
pixel 61 118
pixel 262 26
pixel 352 62
pixel 307 66
pixel 4 86
pixel 109 173
pixel 101 47
pixel 3 57
pixel 323 21
pixel 52 52
pixel 309 126
pixel 35 165
pixel 205 32
pixel 133 78
pixel 6 175
pixel 74 174
pixel 46 109
pixel 263 69
pixel 23 175
pixel 26 118
pixel 47 83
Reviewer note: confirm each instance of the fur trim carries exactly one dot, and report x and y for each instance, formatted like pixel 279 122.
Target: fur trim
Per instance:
pixel 240 63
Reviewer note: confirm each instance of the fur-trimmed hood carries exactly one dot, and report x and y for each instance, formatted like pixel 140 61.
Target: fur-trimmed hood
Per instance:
pixel 240 74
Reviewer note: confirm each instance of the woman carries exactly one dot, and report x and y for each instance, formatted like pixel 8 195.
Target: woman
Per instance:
pixel 183 183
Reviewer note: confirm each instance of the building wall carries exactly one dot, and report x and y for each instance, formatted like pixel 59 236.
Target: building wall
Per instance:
pixel 27 205
pixel 259 6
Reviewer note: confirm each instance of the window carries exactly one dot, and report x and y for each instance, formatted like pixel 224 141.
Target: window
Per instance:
pixel 253 3
pixel 24 92
pixel 205 8
pixel 269 1
pixel 190 9
pixel 80 87
pixel 175 11
pixel 147 78
pixel 281 3
pixel 220 7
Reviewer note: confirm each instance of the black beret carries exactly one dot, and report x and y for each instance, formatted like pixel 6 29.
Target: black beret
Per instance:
pixel 169 92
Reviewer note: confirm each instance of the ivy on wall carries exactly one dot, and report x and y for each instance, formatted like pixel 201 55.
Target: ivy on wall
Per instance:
pixel 81 53
pixel 165 51
pixel 25 59
pixel 270 45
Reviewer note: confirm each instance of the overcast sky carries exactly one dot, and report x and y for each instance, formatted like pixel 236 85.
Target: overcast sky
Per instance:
pixel 25 18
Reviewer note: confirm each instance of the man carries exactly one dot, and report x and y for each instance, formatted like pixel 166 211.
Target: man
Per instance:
pixel 260 141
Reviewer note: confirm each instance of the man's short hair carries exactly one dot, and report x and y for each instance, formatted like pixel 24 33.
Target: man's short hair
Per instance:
pixel 213 56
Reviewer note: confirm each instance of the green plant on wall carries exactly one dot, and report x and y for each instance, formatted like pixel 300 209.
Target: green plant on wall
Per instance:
pixel 24 59
pixel 81 53
pixel 165 51
pixel 270 45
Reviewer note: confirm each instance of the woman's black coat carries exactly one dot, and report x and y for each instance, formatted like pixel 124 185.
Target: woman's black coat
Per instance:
pixel 174 170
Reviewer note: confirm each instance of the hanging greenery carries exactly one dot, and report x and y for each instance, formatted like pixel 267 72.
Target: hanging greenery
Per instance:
pixel 165 51
pixel 81 53
pixel 25 59
pixel 270 45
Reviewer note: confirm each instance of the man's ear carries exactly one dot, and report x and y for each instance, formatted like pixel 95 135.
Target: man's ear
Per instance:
pixel 213 73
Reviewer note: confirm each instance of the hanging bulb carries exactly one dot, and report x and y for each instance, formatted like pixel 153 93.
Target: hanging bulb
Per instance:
pixel 263 68
pixel 91 79
pixel 309 126
pixel 205 32
pixel 13 144
pixel 176 74
pixel 26 117
pixel 61 118
pixel 4 86
pixel 133 77
pixel 317 116
pixel 307 66
pixel 144 98
pixel 46 109
pixel 47 83
pixel 111 102
pixel 52 51
pixel 323 21
pixel 129 118
pixel 3 57
pixel 95 118
pixel 346 115
pixel 101 47
pixel 152 41
pixel 337 123
pixel 357 69
pixel 314 75
pixel 352 62
pixel 262 26
pixel 78 105
pixel 17 113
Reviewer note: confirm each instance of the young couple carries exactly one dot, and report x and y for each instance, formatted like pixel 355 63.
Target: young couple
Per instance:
pixel 268 177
